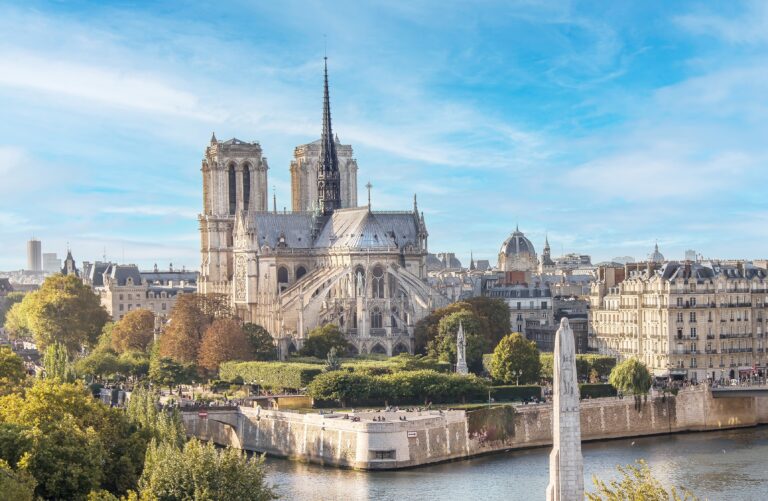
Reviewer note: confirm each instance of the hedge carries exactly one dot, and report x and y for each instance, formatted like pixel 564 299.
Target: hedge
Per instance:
pixel 271 374
pixel 598 390
pixel 585 362
pixel 509 393
pixel 402 388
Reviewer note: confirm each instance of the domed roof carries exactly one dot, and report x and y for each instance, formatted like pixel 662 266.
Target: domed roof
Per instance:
pixel 656 256
pixel 517 243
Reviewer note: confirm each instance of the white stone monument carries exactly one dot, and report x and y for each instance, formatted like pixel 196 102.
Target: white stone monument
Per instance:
pixel 461 351
pixel 566 465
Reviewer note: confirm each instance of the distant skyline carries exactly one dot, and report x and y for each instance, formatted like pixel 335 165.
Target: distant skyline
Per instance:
pixel 606 126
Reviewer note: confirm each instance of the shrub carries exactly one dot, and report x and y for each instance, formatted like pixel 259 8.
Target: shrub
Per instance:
pixel 597 390
pixel 509 393
pixel 271 374
pixel 585 364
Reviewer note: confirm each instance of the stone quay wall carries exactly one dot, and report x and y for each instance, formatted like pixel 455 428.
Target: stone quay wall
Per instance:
pixel 433 436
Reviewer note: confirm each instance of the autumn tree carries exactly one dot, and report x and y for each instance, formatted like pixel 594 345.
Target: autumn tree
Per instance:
pixel 63 310
pixel 515 358
pixel 189 318
pixel 261 341
pixel 134 331
pixel 7 303
pixel 223 340
pixel 322 339
pixel 12 371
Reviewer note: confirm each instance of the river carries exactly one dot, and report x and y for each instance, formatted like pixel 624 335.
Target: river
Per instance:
pixel 721 465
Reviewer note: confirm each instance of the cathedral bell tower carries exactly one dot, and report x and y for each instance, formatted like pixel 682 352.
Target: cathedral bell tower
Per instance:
pixel 328 178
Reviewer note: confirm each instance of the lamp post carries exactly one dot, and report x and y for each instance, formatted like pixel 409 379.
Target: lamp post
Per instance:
pixel 517 374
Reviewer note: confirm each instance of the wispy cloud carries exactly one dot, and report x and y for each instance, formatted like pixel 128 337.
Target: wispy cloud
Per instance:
pixel 750 26
pixel 152 210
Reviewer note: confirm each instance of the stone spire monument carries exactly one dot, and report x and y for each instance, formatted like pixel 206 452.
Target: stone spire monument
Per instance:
pixel 461 351
pixel 566 465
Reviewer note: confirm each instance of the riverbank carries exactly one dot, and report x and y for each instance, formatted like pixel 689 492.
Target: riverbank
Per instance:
pixel 379 440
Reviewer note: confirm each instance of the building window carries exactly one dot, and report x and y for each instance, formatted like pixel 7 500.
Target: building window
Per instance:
pixel 679 301
pixel 246 186
pixel 120 308
pixel 162 306
pixel 693 301
pixel 121 297
pixel 693 331
pixel 376 319
pixel 300 272
pixel 680 317
pixel 232 189
pixel 692 317
pixel 543 305
pixel 378 282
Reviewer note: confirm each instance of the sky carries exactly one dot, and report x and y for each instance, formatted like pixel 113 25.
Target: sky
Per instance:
pixel 605 126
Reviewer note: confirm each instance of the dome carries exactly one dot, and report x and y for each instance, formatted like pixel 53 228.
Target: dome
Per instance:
pixel 656 256
pixel 516 244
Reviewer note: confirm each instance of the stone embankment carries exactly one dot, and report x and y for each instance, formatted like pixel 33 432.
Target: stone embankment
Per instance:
pixel 391 440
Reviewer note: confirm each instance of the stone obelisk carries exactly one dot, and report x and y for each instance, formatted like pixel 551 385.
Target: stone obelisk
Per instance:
pixel 566 465
pixel 461 351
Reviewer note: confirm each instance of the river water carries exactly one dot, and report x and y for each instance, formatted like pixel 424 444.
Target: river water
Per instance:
pixel 722 465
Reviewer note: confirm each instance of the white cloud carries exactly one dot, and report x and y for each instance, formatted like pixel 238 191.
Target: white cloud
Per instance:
pixel 751 27
pixel 153 210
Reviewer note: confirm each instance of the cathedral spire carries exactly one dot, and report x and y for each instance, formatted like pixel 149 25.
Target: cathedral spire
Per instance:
pixel 328 178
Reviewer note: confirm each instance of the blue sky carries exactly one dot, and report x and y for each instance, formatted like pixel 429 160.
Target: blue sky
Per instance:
pixel 606 125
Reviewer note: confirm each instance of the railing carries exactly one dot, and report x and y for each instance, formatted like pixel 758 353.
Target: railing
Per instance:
pixel 378 332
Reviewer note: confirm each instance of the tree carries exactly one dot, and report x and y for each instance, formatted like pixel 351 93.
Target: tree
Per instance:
pixel 190 317
pixel 427 328
pixel 5 305
pixel 73 443
pixel 496 312
pixel 515 355
pixel 636 482
pixel 12 371
pixel 16 485
pixel 165 371
pixel 63 310
pixel 261 341
pixel 134 331
pixel 203 473
pixel 164 427
pixel 101 364
pixel 631 377
pixel 340 386
pixel 224 340
pixel 134 363
pixel 443 347
pixel 57 363
pixel 322 339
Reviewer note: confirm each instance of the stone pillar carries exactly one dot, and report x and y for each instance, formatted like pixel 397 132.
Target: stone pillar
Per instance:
pixel 566 465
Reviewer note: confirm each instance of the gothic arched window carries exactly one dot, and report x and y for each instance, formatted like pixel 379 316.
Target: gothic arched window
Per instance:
pixel 378 282
pixel 300 272
pixel 359 281
pixel 246 186
pixel 232 189
pixel 282 278
pixel 376 319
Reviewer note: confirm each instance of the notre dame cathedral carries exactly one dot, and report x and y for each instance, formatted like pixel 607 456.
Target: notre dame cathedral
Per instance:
pixel 326 261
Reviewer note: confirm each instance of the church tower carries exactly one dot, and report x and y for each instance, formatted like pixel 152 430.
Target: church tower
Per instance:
pixel 328 177
pixel 234 180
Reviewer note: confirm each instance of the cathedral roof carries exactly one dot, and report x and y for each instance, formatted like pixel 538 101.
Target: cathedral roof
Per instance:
pixel 295 226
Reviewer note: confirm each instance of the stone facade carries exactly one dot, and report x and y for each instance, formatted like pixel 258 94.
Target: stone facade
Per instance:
pixel 684 320
pixel 304 176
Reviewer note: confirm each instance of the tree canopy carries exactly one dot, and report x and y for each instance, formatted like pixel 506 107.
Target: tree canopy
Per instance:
pixel 515 354
pixel 63 310
pixel 134 332
pixel 7 303
pixel 631 377
pixel 636 482
pixel 322 339
pixel 189 318
pixel 443 347
pixel 12 371
pixel 261 341
pixel 223 340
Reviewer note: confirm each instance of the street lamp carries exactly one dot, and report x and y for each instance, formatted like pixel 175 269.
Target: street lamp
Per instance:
pixel 517 374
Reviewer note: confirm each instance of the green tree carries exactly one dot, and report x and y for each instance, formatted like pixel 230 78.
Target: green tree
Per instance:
pixel 6 304
pixel 12 371
pixel 631 377
pixel 164 427
pixel 322 339
pixel 427 329
pixel 636 483
pixel 261 341
pixel 340 386
pixel 18 485
pixel 165 371
pixel 57 364
pixel 443 347
pixel 134 363
pixel 63 310
pixel 134 332
pixel 496 312
pixel 100 364
pixel 514 354
pixel 74 443
pixel 203 473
